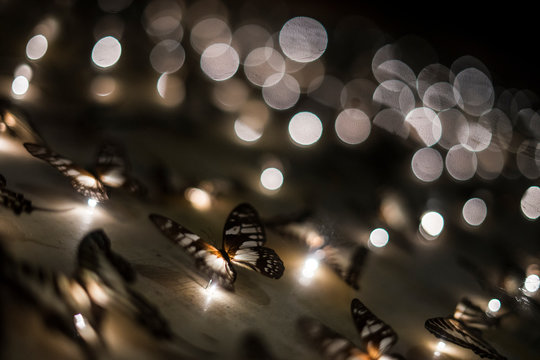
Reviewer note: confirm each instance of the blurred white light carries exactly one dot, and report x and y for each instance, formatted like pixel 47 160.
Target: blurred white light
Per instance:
pixel 167 56
pixel 432 223
pixel 219 61
pixel 352 126
pixel 427 164
pixel 92 203
pixel 494 305
pixel 532 283
pixel 473 91
pixel 20 85
pixel 305 128
pixel 106 52
pixel 530 203
pixel 171 89
pixel 264 66
pixel 272 178
pixel 36 47
pixel 79 321
pixel 210 31
pixel 441 345
pixel 198 198
pixel 461 163
pixel 303 39
pixel 24 70
pixel 427 125
pixel 282 94
pixel 246 132
pixel 478 137
pixel 474 211
pixel 378 237
pixel 310 267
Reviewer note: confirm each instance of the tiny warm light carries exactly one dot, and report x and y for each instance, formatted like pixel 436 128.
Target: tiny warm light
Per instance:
pixel 530 203
pixel 36 47
pixel 305 128
pixel 432 224
pixel 494 305
pixel 79 321
pixel 440 347
pixel 310 267
pixel 198 198
pixel 271 178
pixel 378 237
pixel 532 283
pixel 92 203
pixel 474 211
pixel 20 85
pixel 106 52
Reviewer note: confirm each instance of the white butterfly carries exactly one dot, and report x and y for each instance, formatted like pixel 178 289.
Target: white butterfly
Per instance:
pixel 243 240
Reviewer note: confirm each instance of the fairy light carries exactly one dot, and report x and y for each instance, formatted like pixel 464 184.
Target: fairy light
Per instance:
pixel 378 237
pixel 271 178
pixel 440 347
pixel 310 267
pixel 199 199
pixel 79 321
pixel 20 85
pixel 431 225
pixel 92 203
pixel 494 305
pixel 532 283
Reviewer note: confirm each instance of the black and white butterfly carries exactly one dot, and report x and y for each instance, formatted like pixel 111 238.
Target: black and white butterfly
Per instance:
pixel 464 328
pixel 376 337
pixel 111 171
pixel 243 240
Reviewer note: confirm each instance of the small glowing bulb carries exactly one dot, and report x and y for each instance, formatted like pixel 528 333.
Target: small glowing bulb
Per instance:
pixel 310 266
pixel 494 305
pixel 20 85
pixel 79 321
pixel 532 283
pixel 199 198
pixel 92 203
pixel 441 345
pixel 432 224
pixel 378 237
pixel 272 178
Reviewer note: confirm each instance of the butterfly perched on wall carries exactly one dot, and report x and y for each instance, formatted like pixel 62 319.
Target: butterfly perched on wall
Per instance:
pixel 464 328
pixel 376 337
pixel 243 240
pixel 111 170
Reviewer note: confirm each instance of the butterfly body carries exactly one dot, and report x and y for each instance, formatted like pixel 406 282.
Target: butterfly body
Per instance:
pixel 243 240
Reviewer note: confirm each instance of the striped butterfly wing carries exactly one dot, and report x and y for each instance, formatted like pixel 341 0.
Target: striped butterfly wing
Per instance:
pixel 81 180
pixel 376 336
pixel 208 259
pixel 243 240
pixel 473 316
pixel 456 332
pixel 113 169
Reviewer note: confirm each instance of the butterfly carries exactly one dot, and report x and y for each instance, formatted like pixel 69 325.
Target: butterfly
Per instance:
pixel 111 171
pixel 463 328
pixel 376 337
pixel 242 244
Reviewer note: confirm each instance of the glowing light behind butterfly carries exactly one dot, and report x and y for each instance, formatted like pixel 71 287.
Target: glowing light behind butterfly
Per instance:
pixel 376 337
pixel 243 240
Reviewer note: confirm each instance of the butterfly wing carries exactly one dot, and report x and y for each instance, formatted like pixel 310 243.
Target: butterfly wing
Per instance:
pixel 455 331
pixel 113 169
pixel 208 259
pixel 330 344
pixel 81 180
pixel 473 316
pixel 243 240
pixel 376 336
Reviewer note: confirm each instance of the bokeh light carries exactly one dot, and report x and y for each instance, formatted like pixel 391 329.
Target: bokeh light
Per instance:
pixel 24 70
pixel 199 199
pixel 305 128
pixel 532 283
pixel 283 94
pixel 426 125
pixel 219 62
pixel 167 56
pixel 171 89
pixel 352 126
pixel 378 237
pixel 494 305
pixel 20 85
pixel 106 52
pixel 36 47
pixel 474 91
pixel 303 39
pixel 427 164
pixel 264 66
pixel 461 163
pixel 474 211
pixel 230 95
pixel 210 31
pixel 530 203
pixel 432 224
pixel 271 178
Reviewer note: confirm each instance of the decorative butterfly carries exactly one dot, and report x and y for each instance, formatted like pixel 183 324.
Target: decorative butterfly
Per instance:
pixel 376 337
pixel 243 240
pixel 463 328
pixel 111 169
